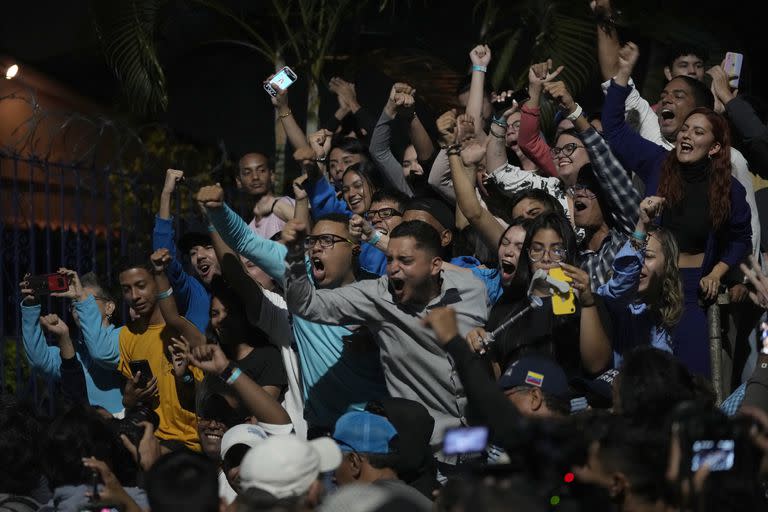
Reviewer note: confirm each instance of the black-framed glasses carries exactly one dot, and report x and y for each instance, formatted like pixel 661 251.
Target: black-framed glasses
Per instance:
pixel 325 241
pixel 581 191
pixel 557 253
pixel 566 150
pixel 383 213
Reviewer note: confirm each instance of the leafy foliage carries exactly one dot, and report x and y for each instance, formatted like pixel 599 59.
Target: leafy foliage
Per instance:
pixel 127 31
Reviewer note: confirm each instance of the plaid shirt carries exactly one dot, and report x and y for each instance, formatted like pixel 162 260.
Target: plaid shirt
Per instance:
pixel 622 200
pixel 731 404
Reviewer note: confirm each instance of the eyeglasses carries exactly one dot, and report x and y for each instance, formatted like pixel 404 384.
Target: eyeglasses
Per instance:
pixel 557 253
pixel 383 213
pixel 326 241
pixel 566 150
pixel 582 191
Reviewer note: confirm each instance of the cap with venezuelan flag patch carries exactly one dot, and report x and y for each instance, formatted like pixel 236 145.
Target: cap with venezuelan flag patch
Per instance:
pixel 537 371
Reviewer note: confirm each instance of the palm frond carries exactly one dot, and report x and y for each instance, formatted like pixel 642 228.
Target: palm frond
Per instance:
pixel 127 33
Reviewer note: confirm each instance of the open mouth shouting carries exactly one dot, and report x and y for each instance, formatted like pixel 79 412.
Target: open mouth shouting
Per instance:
pixel 667 117
pixel 397 286
pixel 579 205
pixel 204 269
pixel 318 269
pixel 686 147
pixel 508 269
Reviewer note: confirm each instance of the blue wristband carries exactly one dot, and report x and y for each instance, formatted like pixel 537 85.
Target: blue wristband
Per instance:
pixel 375 238
pixel 477 67
pixel 164 295
pixel 639 236
pixel 235 374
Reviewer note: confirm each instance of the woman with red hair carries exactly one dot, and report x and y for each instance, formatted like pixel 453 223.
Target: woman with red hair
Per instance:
pixel 707 212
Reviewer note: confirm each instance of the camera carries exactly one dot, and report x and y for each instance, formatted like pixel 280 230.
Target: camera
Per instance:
pixel 130 424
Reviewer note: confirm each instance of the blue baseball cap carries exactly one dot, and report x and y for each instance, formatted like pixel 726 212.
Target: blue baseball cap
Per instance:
pixel 364 432
pixel 536 371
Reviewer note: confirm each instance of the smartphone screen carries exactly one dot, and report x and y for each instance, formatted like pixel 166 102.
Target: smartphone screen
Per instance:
pixel 718 455
pixel 465 440
pixel 284 78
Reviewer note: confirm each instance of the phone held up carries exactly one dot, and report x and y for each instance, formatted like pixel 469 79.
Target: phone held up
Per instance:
pixel 732 68
pixel 46 284
pixel 282 79
pixel 465 440
pixel 141 365
pixel 562 303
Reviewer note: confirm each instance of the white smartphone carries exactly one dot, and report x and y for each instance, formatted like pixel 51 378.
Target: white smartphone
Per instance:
pixel 282 79
pixel 732 67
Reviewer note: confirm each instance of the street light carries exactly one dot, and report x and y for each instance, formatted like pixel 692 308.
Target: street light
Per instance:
pixel 11 71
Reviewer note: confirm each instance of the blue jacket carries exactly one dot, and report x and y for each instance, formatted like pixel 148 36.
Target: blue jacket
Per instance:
pixel 633 323
pixel 323 199
pixel 335 379
pixel 104 383
pixel 732 241
pixel 192 298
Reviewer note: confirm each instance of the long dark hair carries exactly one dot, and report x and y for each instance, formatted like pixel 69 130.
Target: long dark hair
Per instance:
pixel 561 226
pixel 671 183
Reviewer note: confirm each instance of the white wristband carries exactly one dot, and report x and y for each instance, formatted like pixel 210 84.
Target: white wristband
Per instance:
pixel 573 116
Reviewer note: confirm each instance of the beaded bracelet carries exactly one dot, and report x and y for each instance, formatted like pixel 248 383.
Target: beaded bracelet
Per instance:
pixel 282 116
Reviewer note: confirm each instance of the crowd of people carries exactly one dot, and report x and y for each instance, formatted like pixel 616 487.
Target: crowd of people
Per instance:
pixel 493 320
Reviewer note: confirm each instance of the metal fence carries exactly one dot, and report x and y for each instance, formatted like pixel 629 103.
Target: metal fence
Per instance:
pixel 52 215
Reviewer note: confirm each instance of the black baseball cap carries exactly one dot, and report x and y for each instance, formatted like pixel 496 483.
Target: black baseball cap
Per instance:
pixel 598 391
pixel 436 208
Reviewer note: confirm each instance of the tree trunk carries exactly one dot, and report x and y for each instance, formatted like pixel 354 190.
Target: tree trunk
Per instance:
pixel 313 107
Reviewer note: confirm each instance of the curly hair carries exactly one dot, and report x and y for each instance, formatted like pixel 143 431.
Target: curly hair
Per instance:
pixel 670 306
pixel 671 183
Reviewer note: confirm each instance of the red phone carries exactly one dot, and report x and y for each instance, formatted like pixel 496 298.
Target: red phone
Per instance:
pixel 46 284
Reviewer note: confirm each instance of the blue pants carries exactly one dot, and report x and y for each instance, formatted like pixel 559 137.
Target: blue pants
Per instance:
pixel 691 339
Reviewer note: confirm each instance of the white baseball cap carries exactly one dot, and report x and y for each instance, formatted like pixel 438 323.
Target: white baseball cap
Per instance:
pixel 246 433
pixel 286 465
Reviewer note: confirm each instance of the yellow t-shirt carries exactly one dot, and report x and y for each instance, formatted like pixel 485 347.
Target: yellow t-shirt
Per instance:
pixel 150 342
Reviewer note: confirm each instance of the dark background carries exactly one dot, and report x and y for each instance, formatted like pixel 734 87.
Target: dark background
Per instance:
pixel 215 90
